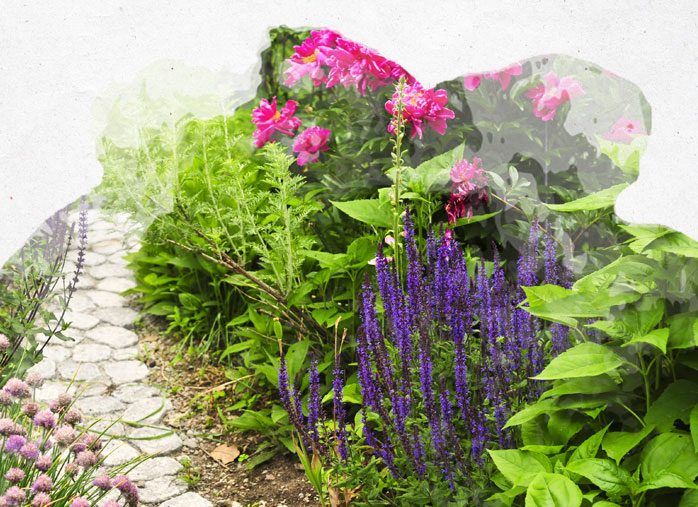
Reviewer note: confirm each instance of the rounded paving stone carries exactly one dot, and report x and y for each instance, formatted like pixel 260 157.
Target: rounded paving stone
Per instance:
pixel 91 353
pixel 130 392
pixel 161 489
pixel 118 452
pixel 56 352
pixel 81 371
pixel 104 299
pixel 46 368
pixel 104 235
pixel 99 405
pixel 86 282
pixel 147 411
pixel 121 317
pixel 94 259
pixel 107 428
pixel 166 444
pixel 125 354
pixel 108 247
pixel 95 387
pixel 122 372
pixel 187 500
pixel 81 302
pixel 82 321
pixel 117 285
pixel 114 336
pixel 50 391
pixel 117 258
pixel 109 271
pixel 154 468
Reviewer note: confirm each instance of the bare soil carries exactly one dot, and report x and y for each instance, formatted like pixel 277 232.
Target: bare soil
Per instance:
pixel 190 386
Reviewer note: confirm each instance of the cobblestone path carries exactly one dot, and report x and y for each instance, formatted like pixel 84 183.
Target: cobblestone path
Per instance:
pixel 103 359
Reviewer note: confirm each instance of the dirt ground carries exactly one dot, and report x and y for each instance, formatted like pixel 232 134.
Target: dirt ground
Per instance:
pixel 278 482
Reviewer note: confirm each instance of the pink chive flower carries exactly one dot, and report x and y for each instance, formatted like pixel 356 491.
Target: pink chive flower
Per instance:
pixel 15 475
pixel 310 56
pixel 469 182
pixel 73 416
pixel 86 459
pixel 15 443
pixel 353 64
pixel 624 130
pixel 43 463
pixel 310 143
pixel 421 105
pixel 102 482
pixel 64 435
pixel 112 503
pixel 5 399
pixel 30 409
pixel 547 97
pixel 15 496
pixel 41 500
pixel 503 76
pixel 269 119
pixel 34 379
pixel 42 483
pixel 4 343
pixel 7 426
pixel 30 451
pixel 45 418
pixel 80 501
pixel 17 387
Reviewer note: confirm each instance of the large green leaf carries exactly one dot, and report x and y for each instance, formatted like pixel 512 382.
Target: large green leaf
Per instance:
pixel 683 330
pixel 693 418
pixel 689 499
pixel 665 479
pixel 605 474
pixel 435 172
pixel 581 385
pixel 619 443
pixel 675 402
pixel 589 447
pixel 656 337
pixel 675 243
pixel 584 360
pixel 531 412
pixel 475 219
pixel 553 490
pixel 599 200
pixel 368 211
pixel 519 467
pixel 671 452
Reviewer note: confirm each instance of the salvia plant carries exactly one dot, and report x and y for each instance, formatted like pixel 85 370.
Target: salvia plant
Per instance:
pixel 34 285
pixel 440 370
pixel 48 459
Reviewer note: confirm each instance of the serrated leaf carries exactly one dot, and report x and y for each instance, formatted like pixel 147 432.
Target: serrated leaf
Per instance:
pixel 605 474
pixel 584 360
pixel 657 337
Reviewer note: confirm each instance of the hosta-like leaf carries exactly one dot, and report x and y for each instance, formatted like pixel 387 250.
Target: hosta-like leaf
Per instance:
pixel 553 490
pixel 585 360
pixel 517 466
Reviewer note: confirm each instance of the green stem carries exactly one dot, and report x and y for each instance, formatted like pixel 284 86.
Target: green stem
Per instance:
pixel 633 413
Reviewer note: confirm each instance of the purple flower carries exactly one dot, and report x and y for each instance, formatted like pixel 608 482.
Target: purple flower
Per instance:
pixel 102 482
pixel 30 451
pixel 30 409
pixel 73 416
pixel 45 419
pixel 339 412
pixel 315 407
pixel 15 496
pixel 17 387
pixel 86 459
pixel 127 488
pixel 43 463
pixel 15 475
pixel 112 503
pixel 42 483
pixel 64 435
pixel 34 379
pixel 7 425
pixel 41 500
pixel 15 443
pixel 80 501
pixel 5 399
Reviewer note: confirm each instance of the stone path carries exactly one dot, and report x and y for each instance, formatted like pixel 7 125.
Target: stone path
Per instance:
pixel 104 361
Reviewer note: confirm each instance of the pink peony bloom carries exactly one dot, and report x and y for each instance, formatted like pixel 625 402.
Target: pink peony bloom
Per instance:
pixel 468 189
pixel 310 143
pixel 622 129
pixel 419 105
pixel 504 77
pixel 268 119
pixel 310 56
pixel 549 96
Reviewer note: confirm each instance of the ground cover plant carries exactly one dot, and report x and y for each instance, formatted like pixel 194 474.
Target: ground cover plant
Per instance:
pixel 263 227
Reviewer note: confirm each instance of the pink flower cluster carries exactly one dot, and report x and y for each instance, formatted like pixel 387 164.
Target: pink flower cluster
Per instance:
pixel 269 119
pixel 552 93
pixel 348 63
pixel 468 189
pixel 420 105
pixel 310 143
pixel 624 130
pixel 504 77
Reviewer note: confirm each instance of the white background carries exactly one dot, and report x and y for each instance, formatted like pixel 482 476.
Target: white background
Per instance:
pixel 57 58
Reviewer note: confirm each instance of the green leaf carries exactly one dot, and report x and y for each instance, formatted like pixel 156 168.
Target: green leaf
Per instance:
pixel 693 418
pixel 507 497
pixel 369 211
pixel 531 412
pixel 589 447
pixel 605 503
pixel 599 200
pixel 676 243
pixel 619 443
pixel 689 499
pixel 435 172
pixel 581 385
pixel 584 360
pixel 519 467
pixel 236 347
pixel 542 449
pixel 475 219
pixel 605 474
pixel 295 357
pixel 657 337
pixel 671 452
pixel 665 479
pixel 675 402
pixel 553 490
pixel 325 259
pixel 352 393
pixel 683 330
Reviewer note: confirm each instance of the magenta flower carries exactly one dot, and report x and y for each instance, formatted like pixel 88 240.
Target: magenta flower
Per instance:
pixel 15 443
pixel 624 130
pixel 30 409
pixel 547 97
pixel 73 416
pixel 469 182
pixel 102 482
pixel 310 56
pixel 30 451
pixel 504 77
pixel 419 105
pixel 268 119
pixel 86 459
pixel 310 143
